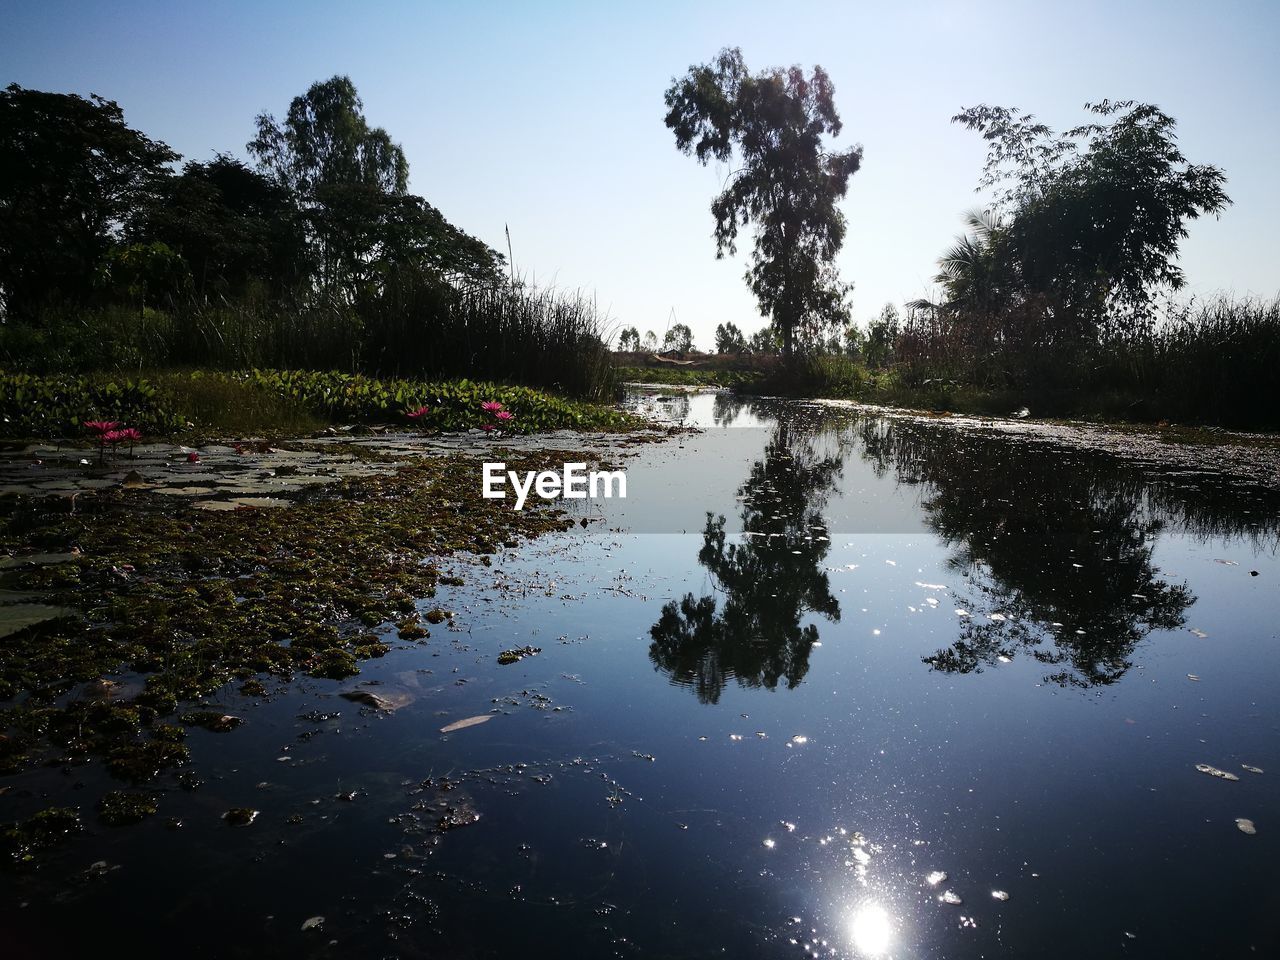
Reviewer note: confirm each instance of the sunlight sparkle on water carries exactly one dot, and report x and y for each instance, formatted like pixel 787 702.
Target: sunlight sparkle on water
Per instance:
pixel 872 930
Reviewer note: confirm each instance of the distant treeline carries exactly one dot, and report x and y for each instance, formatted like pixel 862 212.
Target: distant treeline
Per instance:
pixel 315 256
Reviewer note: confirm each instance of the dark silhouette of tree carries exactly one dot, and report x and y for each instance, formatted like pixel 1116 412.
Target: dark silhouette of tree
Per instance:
pixel 767 584
pixel 325 140
pixel 71 172
pixel 365 232
pixel 786 184
pixel 729 339
pixel 1084 233
pixel 234 227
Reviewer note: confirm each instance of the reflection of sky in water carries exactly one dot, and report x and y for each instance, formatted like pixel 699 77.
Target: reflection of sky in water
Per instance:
pixel 939 669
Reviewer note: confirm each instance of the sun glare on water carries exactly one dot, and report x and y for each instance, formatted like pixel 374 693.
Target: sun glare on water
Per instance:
pixel 872 930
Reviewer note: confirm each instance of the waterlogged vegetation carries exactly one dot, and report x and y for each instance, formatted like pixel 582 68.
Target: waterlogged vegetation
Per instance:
pixel 277 402
pixel 166 607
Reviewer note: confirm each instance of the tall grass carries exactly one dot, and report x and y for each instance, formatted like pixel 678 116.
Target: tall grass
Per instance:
pixel 1210 361
pixel 511 334
pixel 519 334
pixel 1214 360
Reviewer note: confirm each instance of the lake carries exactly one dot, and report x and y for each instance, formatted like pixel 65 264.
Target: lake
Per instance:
pixel 827 683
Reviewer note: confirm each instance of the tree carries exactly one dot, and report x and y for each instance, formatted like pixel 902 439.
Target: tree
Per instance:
pixel 882 335
pixel 325 139
pixel 786 186
pixel 363 228
pixel 764 341
pixel 71 171
pixel 1093 219
pixel 629 340
pixel 232 225
pixel 650 341
pixel 729 339
pixel 855 341
pixel 678 338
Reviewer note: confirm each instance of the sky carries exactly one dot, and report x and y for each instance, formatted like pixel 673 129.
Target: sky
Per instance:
pixel 547 117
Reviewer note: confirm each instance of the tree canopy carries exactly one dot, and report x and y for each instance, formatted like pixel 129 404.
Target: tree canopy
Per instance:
pixel 1089 223
pixel 679 337
pixel 71 172
pixel 325 140
pixel 786 186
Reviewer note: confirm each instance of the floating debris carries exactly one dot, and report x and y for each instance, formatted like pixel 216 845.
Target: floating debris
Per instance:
pixel 313 923
pixel 1245 825
pixel 210 720
pixel 240 816
pixel 1192 676
pixel 517 654
pixel 388 704
pixel 468 722
pixel 999 895
pixel 1245 766
pixel 1199 633
pixel 936 877
pixel 1215 772
pixel 947 896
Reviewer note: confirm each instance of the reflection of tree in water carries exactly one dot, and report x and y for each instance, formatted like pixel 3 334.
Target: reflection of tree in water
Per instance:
pixel 769 581
pixel 1059 543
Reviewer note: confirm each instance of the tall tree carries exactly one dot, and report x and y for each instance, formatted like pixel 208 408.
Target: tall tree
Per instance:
pixel 679 338
pixel 71 171
pixel 786 185
pixel 729 339
pixel 232 225
pixel 1093 219
pixel 326 140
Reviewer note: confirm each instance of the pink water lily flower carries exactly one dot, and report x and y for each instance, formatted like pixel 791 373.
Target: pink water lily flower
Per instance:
pixel 487 427
pixel 101 426
pixel 129 435
pixel 504 415
pixel 418 413
pixel 493 406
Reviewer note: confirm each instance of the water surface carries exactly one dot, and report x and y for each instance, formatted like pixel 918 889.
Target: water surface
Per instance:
pixel 825 684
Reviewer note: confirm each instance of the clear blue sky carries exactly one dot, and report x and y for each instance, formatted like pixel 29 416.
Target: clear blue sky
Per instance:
pixel 548 116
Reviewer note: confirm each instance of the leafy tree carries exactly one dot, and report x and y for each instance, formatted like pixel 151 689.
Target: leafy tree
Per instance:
pixel 233 226
pixel 650 341
pixel 729 339
pixel 71 170
pixel 325 139
pixel 855 341
pixel 786 186
pixel 764 341
pixel 629 339
pixel 1093 219
pixel 678 338
pixel 363 228
pixel 143 272
pixel 882 335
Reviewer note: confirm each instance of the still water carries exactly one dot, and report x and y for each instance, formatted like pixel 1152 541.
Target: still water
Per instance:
pixel 826 684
